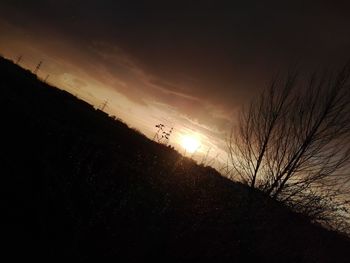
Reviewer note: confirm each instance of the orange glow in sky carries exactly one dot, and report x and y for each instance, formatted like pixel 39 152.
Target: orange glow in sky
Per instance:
pixel 190 143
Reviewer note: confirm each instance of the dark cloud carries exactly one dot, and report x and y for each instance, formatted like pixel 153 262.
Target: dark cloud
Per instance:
pixel 195 56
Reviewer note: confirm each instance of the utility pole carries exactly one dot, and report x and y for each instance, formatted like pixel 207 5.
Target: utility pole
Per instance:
pixel 38 67
pixel 47 77
pixel 104 105
pixel 19 58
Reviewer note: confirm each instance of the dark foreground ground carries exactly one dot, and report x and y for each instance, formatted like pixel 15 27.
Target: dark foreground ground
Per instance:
pixel 78 185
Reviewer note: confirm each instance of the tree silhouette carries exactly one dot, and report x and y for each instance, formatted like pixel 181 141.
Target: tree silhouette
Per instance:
pixel 293 142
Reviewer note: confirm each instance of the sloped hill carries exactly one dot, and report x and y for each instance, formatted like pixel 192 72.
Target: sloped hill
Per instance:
pixel 81 186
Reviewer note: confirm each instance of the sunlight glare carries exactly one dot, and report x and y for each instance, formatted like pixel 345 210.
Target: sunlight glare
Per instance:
pixel 190 143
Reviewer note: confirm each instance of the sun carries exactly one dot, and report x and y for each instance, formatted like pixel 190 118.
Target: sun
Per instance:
pixel 190 143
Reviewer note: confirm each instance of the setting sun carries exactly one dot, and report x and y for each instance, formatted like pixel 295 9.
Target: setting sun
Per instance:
pixel 190 143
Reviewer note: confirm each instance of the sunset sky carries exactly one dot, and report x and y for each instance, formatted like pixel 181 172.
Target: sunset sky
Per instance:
pixel 187 64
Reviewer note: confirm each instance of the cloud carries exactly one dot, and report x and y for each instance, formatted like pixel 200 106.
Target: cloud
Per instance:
pixel 193 65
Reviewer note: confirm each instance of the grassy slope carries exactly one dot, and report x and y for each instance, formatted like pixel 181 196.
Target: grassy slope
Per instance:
pixel 80 185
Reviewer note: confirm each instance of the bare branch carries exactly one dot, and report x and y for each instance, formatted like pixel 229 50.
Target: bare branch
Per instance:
pixel 293 141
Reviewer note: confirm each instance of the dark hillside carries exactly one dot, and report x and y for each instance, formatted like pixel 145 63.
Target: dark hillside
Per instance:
pixel 79 185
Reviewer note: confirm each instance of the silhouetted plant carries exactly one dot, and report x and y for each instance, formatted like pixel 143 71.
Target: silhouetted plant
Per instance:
pixel 293 142
pixel 161 135
pixel 166 136
pixel 157 135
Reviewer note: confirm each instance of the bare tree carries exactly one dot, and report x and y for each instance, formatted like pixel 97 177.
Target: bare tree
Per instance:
pixel 293 142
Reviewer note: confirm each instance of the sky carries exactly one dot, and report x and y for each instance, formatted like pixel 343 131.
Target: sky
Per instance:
pixel 190 65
